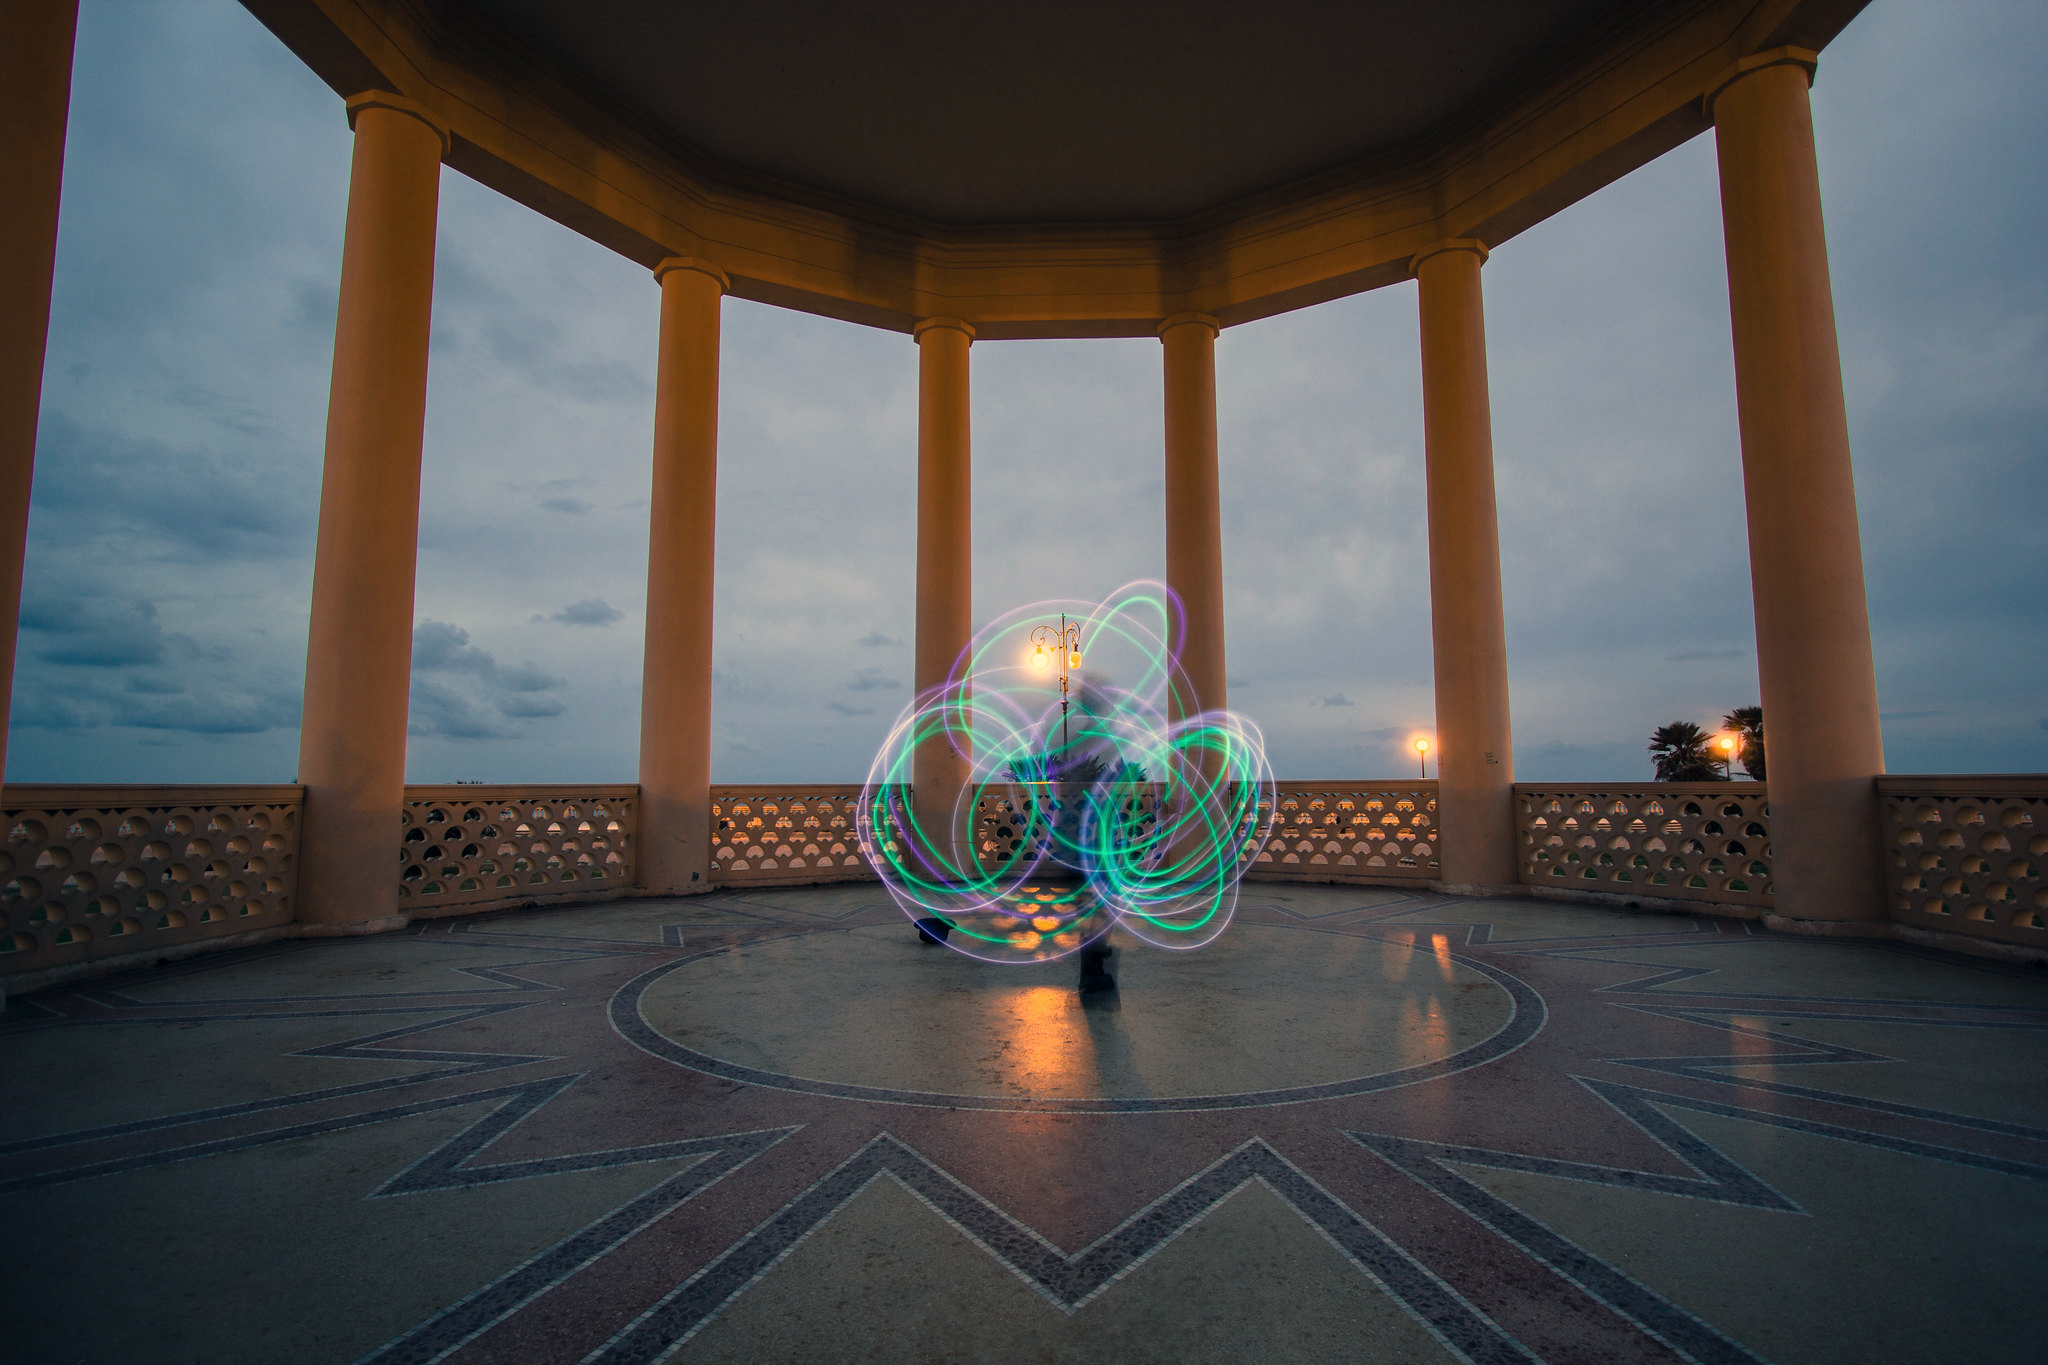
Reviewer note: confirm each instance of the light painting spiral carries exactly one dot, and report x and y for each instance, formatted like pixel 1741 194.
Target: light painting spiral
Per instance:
pixel 1044 829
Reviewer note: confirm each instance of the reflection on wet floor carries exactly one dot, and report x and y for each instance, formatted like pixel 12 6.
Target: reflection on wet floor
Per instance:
pixel 1047 1040
pixel 1262 1008
pixel 1035 923
pixel 1784 1149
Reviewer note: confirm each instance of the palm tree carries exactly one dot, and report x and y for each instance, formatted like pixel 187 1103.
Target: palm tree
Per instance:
pixel 1680 753
pixel 1748 723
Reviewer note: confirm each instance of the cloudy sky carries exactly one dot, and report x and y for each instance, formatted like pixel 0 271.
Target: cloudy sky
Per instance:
pixel 171 538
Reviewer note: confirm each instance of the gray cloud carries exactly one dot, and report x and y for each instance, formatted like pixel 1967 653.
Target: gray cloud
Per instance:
pixel 180 451
pixel 51 711
pixel 135 494
pixel 1333 699
pixel 872 680
pixel 591 611
pixel 527 678
pixel 493 694
pixel 500 325
pixel 439 647
pixel 226 410
pixel 843 709
pixel 528 706
pixel 152 686
pixel 575 507
pixel 314 304
pixel 217 713
pixel 745 688
pixel 439 710
pixel 93 704
pixel 601 383
pixel 96 635
pixel 102 666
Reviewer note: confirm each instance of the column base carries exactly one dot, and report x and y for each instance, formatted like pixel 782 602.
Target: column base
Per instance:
pixel 25 983
pixel 1632 900
pixel 1906 933
pixel 698 888
pixel 1881 930
pixel 346 928
pixel 1478 889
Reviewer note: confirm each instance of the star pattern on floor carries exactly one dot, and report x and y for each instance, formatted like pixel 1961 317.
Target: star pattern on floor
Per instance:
pixel 1641 1040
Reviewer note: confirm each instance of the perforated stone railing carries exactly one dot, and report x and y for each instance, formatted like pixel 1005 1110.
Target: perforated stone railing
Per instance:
pixel 1707 841
pixel 1024 814
pixel 1966 854
pixel 1318 831
pixel 787 833
pixel 1339 831
pixel 467 848
pixel 99 872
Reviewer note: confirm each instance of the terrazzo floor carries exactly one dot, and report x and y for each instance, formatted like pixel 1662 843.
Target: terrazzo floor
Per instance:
pixel 1364 1125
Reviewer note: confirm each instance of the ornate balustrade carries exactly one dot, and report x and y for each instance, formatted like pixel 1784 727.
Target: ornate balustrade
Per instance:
pixel 786 834
pixel 1316 831
pixel 1350 831
pixel 1024 814
pixel 1966 854
pixel 93 873
pixel 467 848
pixel 1707 841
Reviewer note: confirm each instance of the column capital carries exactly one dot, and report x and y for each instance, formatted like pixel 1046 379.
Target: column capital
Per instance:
pixel 1472 244
pixel 1189 320
pixel 953 324
pixel 1749 66
pixel 399 104
pixel 702 267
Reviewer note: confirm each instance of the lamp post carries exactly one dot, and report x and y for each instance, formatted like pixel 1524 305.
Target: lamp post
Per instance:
pixel 1065 644
pixel 1727 743
pixel 1422 757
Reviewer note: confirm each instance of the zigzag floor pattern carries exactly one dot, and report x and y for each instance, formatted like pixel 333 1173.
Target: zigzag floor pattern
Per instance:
pixel 1369 1125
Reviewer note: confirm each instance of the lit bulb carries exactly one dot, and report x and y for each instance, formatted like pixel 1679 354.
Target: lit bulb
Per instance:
pixel 1421 746
pixel 1038 659
pixel 1074 662
pixel 1728 743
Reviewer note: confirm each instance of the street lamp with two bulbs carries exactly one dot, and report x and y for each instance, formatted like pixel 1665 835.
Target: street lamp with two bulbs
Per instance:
pixel 1065 647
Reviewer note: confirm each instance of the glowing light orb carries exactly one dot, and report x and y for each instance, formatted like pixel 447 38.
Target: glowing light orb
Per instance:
pixel 1044 828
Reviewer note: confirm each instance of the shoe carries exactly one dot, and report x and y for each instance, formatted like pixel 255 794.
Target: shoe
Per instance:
pixel 1095 963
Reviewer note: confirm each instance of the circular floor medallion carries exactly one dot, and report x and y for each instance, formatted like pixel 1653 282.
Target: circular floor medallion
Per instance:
pixel 1267 1015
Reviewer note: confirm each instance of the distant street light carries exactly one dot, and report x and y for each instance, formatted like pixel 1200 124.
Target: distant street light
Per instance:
pixel 1422 757
pixel 1727 744
pixel 1065 644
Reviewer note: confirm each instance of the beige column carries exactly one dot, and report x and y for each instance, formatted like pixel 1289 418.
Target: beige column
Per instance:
pixel 1474 748
pixel 36 38
pixel 1194 507
pixel 359 651
pixel 945 546
pixel 675 695
pixel 1805 551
